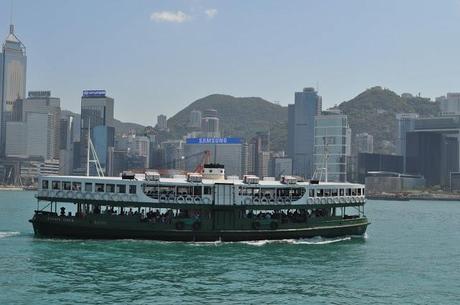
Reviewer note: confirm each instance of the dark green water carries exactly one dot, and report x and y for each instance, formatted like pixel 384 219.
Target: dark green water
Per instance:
pixel 411 255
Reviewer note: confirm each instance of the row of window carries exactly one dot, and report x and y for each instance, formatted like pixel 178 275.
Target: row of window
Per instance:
pixel 336 192
pixel 88 187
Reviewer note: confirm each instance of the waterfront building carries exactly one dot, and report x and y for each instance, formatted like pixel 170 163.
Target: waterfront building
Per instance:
pixel 332 141
pixel 66 144
pixel 13 67
pixel 378 182
pixel 226 151
pixel 195 119
pixel 364 143
pixel 259 154
pixel 301 128
pixel 373 162
pixel 97 112
pixel 140 146
pixel 49 167
pixel 432 149
pixel 162 122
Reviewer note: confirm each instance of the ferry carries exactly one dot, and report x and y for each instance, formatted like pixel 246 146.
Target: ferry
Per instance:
pixel 205 206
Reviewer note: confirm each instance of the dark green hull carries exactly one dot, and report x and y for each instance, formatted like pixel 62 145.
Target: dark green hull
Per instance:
pixel 53 226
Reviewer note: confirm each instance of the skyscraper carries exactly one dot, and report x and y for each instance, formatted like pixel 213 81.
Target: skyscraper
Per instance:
pixel 162 122
pixel 301 130
pixel 97 113
pixel 364 143
pixel 332 141
pixel 195 119
pixel 13 67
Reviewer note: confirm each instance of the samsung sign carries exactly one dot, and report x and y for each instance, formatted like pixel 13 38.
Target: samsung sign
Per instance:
pixel 93 93
pixel 213 141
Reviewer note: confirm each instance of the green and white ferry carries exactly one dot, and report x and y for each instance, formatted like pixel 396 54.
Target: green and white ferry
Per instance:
pixel 205 206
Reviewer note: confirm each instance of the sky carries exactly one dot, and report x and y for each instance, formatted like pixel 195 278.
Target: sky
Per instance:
pixel 157 57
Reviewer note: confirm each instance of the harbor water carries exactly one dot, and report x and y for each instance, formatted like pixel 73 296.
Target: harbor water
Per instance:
pixel 410 255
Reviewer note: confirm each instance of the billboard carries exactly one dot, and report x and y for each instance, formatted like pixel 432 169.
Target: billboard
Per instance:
pixel 213 141
pixel 94 93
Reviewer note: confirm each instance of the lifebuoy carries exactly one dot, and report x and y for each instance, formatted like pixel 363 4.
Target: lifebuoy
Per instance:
pixel 256 225
pixel 88 196
pixel 106 196
pixel 197 200
pixel 247 200
pixel 342 200
pixel 323 201
pixel 196 225
pixel 287 201
pixel 317 200
pixel 274 225
pixel 353 200
pixel 256 200
pixel 272 201
pixel 329 200
pixel 264 200
pixel 180 225
pixel 336 200
pixel 79 195
pixel 347 199
pixel 180 199
pixel 280 200
pixel 310 200
pixel 163 198
pixel 188 199
pixel 206 200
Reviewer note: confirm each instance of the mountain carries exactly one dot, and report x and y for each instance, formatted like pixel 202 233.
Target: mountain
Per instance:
pixel 374 111
pixel 239 117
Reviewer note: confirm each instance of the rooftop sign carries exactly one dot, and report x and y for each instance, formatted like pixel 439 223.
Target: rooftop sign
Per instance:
pixel 39 93
pixel 213 141
pixel 94 93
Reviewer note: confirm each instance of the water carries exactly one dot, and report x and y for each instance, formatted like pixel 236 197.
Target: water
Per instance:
pixel 410 255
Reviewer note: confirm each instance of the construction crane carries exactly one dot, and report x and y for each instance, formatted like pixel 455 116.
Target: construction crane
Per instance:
pixel 204 160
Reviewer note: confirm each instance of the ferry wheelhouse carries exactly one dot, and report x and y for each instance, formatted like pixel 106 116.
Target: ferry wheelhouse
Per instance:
pixel 196 207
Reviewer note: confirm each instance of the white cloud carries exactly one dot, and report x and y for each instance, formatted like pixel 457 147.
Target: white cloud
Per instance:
pixel 168 16
pixel 211 13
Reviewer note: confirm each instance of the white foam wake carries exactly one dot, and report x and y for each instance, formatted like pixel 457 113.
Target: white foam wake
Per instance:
pixel 8 234
pixel 306 241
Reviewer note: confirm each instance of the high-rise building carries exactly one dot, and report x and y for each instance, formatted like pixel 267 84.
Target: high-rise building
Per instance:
pixel 364 143
pixel 66 144
pixel 301 130
pixel 226 151
pixel 97 113
pixel 195 119
pixel 332 144
pixel 210 124
pixel 162 122
pixel 140 146
pixel 13 67
pixel 280 166
pixel 259 154
pixel 37 133
pixel 405 124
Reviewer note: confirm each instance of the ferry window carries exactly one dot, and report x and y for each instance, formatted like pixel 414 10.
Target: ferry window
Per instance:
pixel 76 186
pixel 359 192
pixel 207 190
pixel 311 193
pixel 363 193
pixel 121 188
pixel 56 185
pixel 319 192
pixel 88 187
pixel 327 193
pixel 110 188
pixel 335 192
pixel 341 192
pixel 348 192
pixel 353 192
pixel 45 184
pixel 132 189
pixel 197 190
pixel 66 185
pixel 99 187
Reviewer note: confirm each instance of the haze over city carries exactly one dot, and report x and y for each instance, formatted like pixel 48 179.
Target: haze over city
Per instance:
pixel 162 55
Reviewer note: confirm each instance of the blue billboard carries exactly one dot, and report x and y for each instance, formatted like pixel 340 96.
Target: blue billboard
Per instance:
pixel 213 141
pixel 94 93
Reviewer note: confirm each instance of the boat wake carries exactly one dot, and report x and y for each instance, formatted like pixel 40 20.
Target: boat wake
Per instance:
pixel 8 234
pixel 306 241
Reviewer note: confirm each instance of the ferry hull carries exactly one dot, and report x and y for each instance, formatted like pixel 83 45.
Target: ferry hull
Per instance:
pixel 80 230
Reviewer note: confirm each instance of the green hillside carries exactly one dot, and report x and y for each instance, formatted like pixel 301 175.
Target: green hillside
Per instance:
pixel 239 117
pixel 374 111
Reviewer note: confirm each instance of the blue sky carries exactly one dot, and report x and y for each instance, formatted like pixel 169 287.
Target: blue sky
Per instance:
pixel 158 56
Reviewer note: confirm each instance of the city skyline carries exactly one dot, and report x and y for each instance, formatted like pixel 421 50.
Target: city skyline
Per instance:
pixel 183 47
